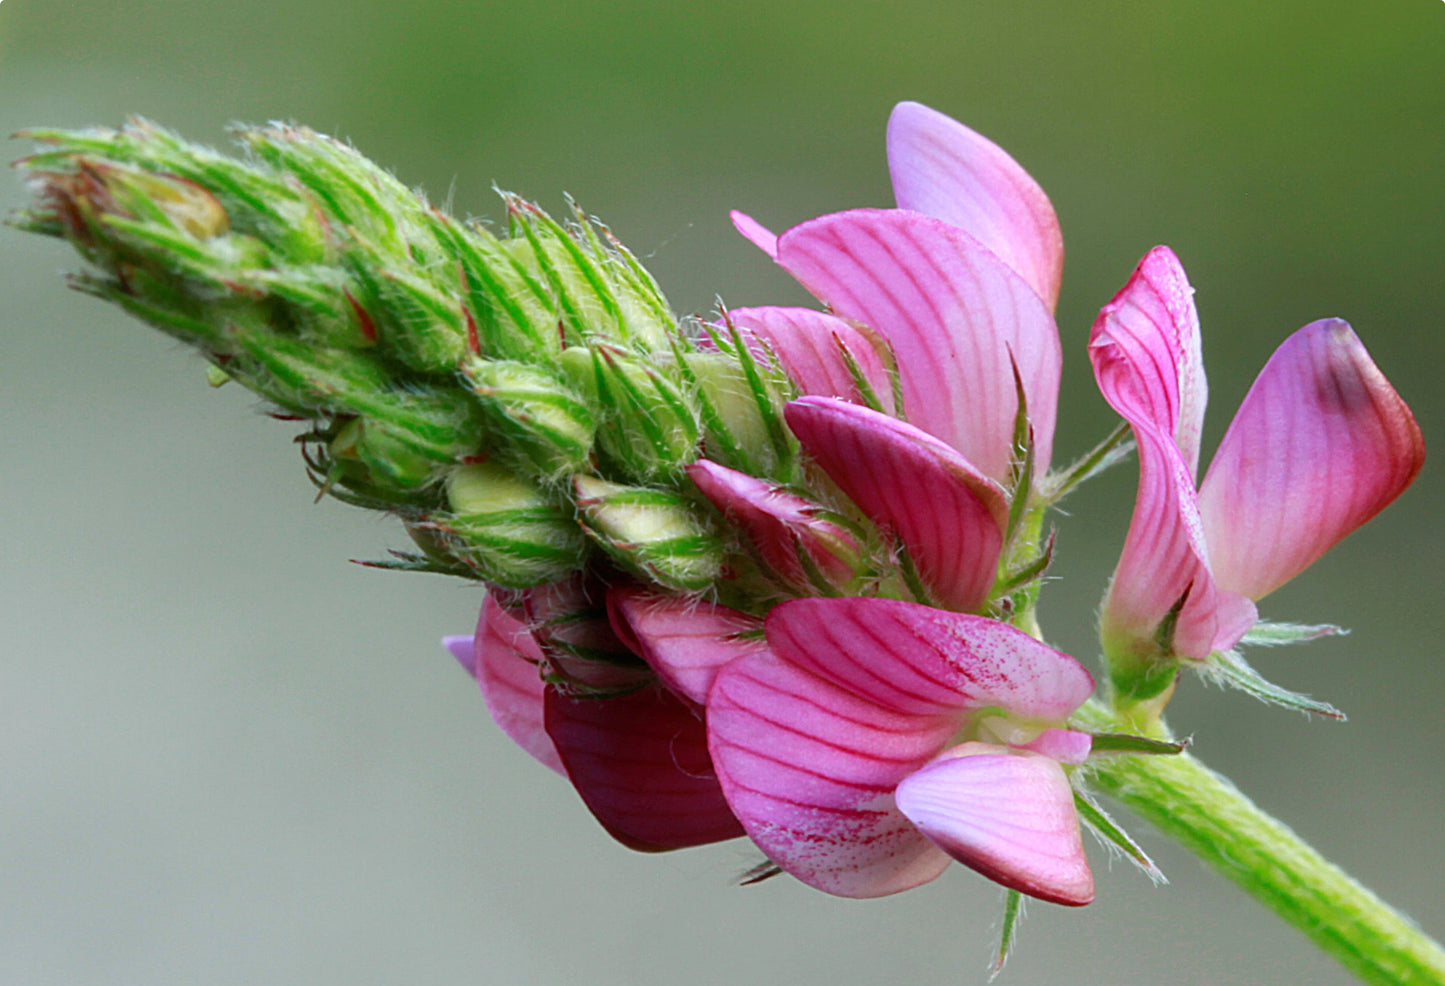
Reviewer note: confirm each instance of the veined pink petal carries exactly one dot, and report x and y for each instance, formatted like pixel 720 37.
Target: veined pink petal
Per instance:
pixel 1320 445
pixel 756 233
pixel 956 316
pixel 949 516
pixel 810 769
pixel 810 347
pixel 505 663
pixel 943 169
pixel 778 523
pixel 641 765
pixel 1136 359
pixel 1009 816
pixel 684 640
pixel 915 660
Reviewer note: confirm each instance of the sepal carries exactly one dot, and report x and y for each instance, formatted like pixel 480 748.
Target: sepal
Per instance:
pixel 1230 668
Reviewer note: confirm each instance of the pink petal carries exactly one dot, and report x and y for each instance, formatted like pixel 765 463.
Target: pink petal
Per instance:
pixel 464 650
pixel 505 664
pixel 945 170
pixel 1063 745
pixel 949 516
pixel 809 345
pixel 569 621
pixel 756 233
pixel 641 765
pixel 810 769
pixel 778 524
pixel 1009 816
pixel 684 640
pixel 1137 359
pixel 1320 445
pixel 955 316
pixel 915 660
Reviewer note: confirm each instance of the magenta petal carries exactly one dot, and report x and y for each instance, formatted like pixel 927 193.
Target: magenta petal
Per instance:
pixel 956 317
pixel 641 765
pixel 1063 745
pixel 810 347
pixel 1320 445
pixel 777 523
pixel 1009 816
pixel 506 667
pixel 756 233
pixel 464 649
pixel 945 170
pixel 810 769
pixel 949 516
pixel 916 660
pixel 684 640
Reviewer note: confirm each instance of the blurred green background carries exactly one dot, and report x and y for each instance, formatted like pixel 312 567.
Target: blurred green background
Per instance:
pixel 227 756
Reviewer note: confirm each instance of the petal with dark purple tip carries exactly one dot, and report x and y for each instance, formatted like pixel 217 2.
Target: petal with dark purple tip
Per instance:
pixel 811 345
pixel 1009 816
pixel 949 517
pixel 641 765
pixel 1320 445
pixel 506 667
pixel 916 660
pixel 810 769
pixel 957 318
pixel 943 169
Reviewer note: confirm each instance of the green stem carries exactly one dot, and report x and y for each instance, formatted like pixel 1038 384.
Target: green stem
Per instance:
pixel 1208 815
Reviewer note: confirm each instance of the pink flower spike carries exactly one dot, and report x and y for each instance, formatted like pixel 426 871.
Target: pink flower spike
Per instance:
pixel 943 169
pixel 1140 347
pixel 778 523
pixel 684 640
pixel 756 233
pixel 809 345
pixel 810 769
pixel 949 517
pixel 641 765
pixel 1320 445
pixel 505 664
pixel 916 660
pixel 1009 816
pixel 957 318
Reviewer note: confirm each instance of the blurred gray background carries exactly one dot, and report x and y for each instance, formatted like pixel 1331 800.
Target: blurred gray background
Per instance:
pixel 229 756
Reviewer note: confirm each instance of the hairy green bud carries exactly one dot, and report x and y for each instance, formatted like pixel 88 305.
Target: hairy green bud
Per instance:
pixel 653 533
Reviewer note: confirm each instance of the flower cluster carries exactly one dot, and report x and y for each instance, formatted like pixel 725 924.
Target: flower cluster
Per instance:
pixel 866 729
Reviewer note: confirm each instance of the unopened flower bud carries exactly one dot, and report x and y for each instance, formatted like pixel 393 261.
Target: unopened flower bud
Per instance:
pixel 511 531
pixel 646 425
pixel 653 533
pixel 537 416
pixel 569 621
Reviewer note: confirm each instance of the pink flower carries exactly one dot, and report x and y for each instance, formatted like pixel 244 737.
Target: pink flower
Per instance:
pixel 875 740
pixel 960 283
pixel 1320 445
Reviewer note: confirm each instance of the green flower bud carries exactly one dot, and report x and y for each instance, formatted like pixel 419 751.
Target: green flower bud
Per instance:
pixel 538 417
pixel 510 531
pixel 740 412
pixel 652 533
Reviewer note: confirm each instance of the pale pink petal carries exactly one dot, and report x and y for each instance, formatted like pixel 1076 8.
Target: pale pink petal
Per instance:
pixel 810 347
pixel 810 769
pixel 505 664
pixel 1320 445
pixel 464 649
pixel 1063 745
pixel 949 516
pixel 956 317
pixel 641 765
pixel 1164 555
pixel 756 233
pixel 684 640
pixel 778 524
pixel 1009 816
pixel 945 170
pixel 915 660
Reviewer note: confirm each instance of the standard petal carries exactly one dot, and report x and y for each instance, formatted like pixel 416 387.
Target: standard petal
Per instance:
pixel 949 516
pixel 957 318
pixel 1009 816
pixel 641 765
pixel 779 524
pixel 1320 445
pixel 505 664
pixel 810 769
pixel 756 233
pixel 684 640
pixel 810 346
pixel 916 660
pixel 943 169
